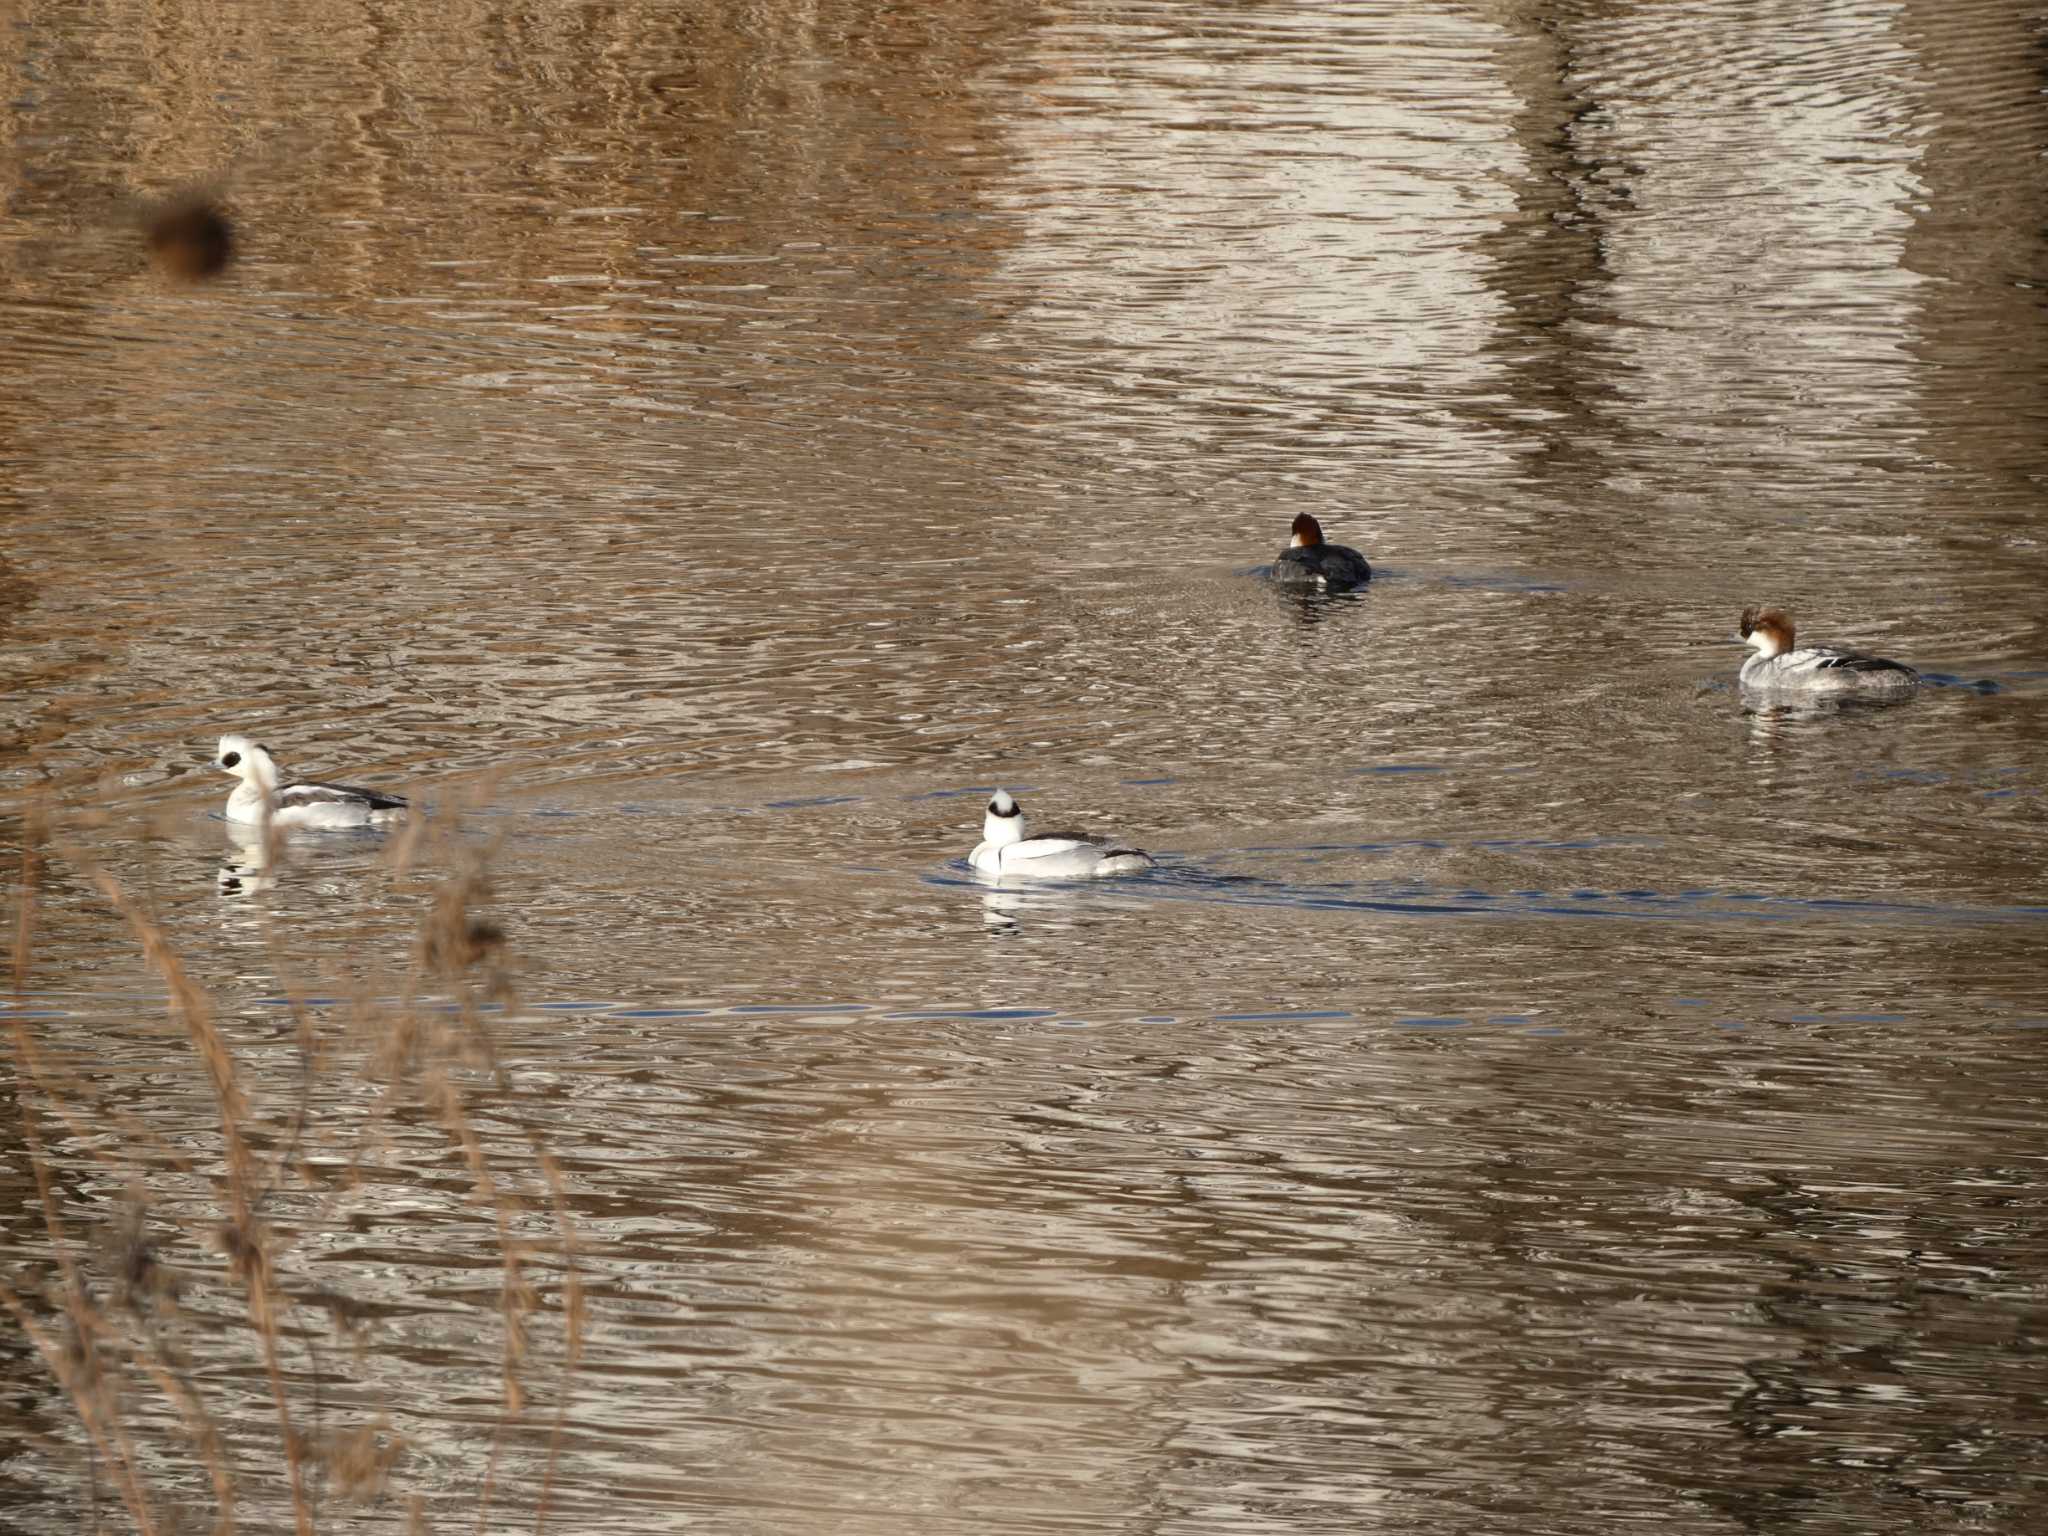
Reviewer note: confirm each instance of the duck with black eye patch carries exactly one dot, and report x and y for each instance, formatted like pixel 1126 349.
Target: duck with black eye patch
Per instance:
pixel 264 797
pixel 1778 668
pixel 1006 850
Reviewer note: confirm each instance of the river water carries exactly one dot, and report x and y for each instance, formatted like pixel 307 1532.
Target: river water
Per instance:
pixel 698 452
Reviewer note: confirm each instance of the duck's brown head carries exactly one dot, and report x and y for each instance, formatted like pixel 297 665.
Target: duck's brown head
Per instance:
pixel 1768 631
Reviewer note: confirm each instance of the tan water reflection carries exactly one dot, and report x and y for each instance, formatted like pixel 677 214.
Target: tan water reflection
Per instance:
pixel 714 445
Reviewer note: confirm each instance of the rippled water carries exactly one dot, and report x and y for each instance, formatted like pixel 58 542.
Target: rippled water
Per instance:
pixel 700 451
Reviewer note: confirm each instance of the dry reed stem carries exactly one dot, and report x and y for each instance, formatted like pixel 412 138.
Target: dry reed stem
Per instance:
pixel 445 946
pixel 572 1352
pixel 419 1054
pixel 93 1408
pixel 35 829
pixel 134 1131
pixel 199 1424
pixel 248 1258
pixel 90 1395
pixel 450 944
pixel 55 1090
pixel 89 1409
pixel 30 1063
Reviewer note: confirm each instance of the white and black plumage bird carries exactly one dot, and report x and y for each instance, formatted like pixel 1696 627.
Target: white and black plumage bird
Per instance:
pixel 1308 564
pixel 264 795
pixel 1777 668
pixel 1004 849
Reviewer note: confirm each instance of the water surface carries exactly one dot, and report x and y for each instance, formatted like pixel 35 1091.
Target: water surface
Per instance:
pixel 700 454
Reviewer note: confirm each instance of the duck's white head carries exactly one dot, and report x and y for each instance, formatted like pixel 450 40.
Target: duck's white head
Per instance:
pixel 1307 533
pixel 248 760
pixel 1767 631
pixel 1004 822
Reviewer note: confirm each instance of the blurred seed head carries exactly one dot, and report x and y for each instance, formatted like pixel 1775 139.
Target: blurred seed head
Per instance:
pixel 190 239
pixel 457 945
pixel 144 1284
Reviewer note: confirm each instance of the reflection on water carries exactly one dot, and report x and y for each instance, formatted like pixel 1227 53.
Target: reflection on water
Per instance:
pixel 248 870
pixel 714 443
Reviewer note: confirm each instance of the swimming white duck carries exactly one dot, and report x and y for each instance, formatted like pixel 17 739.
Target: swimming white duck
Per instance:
pixel 1005 850
pixel 1310 564
pixel 1777 668
pixel 263 795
